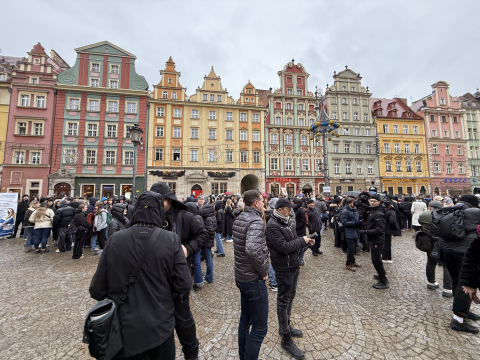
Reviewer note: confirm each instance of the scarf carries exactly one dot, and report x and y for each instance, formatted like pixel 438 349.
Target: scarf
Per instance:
pixel 280 217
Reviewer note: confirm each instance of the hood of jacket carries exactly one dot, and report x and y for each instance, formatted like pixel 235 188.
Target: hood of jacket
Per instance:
pixel 206 210
pixel 93 200
pixel 149 209
pixel 77 211
pixel 190 199
pixel 192 207
pixel 272 203
pixel 63 203
pixel 117 210
pixel 297 202
pixel 167 193
pixel 218 205
pixel 74 204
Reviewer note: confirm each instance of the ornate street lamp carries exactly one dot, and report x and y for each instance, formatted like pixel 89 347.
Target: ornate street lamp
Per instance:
pixel 325 128
pixel 135 136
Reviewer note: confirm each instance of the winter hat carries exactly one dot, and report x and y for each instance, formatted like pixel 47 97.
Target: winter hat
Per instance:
pixel 437 198
pixel 310 201
pixel 469 198
pixel 374 197
pixel 435 204
pixel 103 199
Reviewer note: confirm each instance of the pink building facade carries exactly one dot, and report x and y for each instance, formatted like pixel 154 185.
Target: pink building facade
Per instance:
pixel 446 140
pixel 30 123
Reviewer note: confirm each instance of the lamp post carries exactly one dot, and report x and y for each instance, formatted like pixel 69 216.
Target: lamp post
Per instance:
pixel 323 127
pixel 136 137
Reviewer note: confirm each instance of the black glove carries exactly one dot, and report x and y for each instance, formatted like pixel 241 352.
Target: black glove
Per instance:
pixel 358 223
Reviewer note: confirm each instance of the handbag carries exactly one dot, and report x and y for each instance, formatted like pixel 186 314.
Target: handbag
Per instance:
pixel 435 253
pixel 102 327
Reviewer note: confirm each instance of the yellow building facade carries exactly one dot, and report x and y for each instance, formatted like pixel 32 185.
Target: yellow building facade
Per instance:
pixel 207 143
pixel 402 147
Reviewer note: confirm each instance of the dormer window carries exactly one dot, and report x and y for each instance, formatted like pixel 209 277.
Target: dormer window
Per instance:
pixel 442 101
pixel 246 99
pixel 95 67
pixel 409 114
pixel 164 94
pixel 170 81
pixel 36 61
pixel 249 91
pixel 174 94
pixel 3 77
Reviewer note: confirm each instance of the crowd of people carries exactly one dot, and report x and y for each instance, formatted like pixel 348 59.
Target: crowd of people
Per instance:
pixel 270 235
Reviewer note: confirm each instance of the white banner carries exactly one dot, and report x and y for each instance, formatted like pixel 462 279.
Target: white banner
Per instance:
pixel 326 189
pixel 8 210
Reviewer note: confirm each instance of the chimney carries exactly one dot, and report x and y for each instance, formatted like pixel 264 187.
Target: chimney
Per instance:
pixel 404 100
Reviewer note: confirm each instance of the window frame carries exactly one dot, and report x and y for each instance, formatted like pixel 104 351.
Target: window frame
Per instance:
pixel 107 125
pixel 87 123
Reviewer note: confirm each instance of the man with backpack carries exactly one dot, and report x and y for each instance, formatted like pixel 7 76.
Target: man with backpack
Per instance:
pixel 62 218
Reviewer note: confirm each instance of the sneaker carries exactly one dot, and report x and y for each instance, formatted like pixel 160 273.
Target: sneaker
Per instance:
pixel 432 286
pixel 38 251
pixel 350 267
pixel 229 241
pixel 356 265
pixel 292 349
pixel 381 285
pixel 465 326
pixel 58 251
pixel 447 293
pixel 302 262
pixel 473 316
pixel 99 252
pixel 273 287
pixel 220 255
pixel 216 251
pixel 28 249
pixel 81 257
pixel 197 287
pixel 387 261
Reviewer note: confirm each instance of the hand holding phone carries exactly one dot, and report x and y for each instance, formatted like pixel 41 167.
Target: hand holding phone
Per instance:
pixel 312 236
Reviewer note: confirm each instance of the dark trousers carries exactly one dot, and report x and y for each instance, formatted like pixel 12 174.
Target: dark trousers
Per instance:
pixel 318 241
pixel 80 237
pixel 430 271
pixel 287 288
pixel 102 237
pixel 387 248
pixel 351 248
pixel 41 236
pixel 185 327
pixel 407 221
pixel 64 240
pixel 364 241
pixel 461 301
pixel 253 324
pixel 18 221
pixel 376 255
pixel 166 351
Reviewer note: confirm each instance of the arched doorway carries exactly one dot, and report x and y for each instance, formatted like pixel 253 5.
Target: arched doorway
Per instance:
pixel 249 182
pixel 196 190
pixel 62 189
pixel 307 190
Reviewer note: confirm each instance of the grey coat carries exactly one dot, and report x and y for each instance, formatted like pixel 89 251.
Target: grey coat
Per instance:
pixel 250 246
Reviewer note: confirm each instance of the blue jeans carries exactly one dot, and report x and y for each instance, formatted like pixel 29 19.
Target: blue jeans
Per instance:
pixel 29 234
pixel 253 324
pixel 229 237
pixel 218 241
pixel 197 268
pixel 209 261
pixel 41 235
pixel 93 242
pixel 271 276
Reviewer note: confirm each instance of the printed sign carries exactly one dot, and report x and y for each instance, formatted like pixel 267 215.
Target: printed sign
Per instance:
pixel 8 210
pixel 326 189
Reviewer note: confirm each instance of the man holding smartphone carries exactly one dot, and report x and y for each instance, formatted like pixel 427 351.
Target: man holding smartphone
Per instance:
pixel 284 246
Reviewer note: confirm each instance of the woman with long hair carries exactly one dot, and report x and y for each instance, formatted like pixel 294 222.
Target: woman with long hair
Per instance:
pixel 43 219
pixel 28 226
pixel 100 225
pixel 229 219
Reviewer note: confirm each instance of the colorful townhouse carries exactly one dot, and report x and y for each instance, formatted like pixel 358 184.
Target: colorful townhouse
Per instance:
pixel 446 140
pixel 206 143
pixel 294 163
pixel 98 100
pixel 471 104
pixel 30 123
pixel 403 155
pixel 352 157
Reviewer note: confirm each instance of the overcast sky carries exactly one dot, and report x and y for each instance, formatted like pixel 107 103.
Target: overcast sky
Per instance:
pixel 399 47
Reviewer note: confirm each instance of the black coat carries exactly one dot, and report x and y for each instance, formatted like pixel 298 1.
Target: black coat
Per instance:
pixel 220 216
pixel 392 223
pixel 26 218
pixel 284 244
pixel 314 220
pixel 207 212
pixel 376 224
pixel 146 317
pixel 22 208
pixel 470 273
pixel 350 220
pixel 229 219
pixel 300 218
pixel 91 204
pixel 63 216
pixel 119 221
pixel 81 221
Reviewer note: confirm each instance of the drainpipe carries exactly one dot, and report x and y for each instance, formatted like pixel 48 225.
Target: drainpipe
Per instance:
pixel 147 131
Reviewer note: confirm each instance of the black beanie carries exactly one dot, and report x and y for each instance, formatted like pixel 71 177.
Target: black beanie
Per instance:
pixel 471 199
pixel 375 197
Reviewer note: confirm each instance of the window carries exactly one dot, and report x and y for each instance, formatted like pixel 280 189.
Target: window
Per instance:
pixel 127 131
pixel 91 157
pixel 229 156
pixel 229 115
pixel 358 148
pixel 460 169
pixel 194 133
pixel 256 118
pixel 288 164
pixel 289 92
pixel 336 168
pixel 300 106
pixel 388 166
pixel 256 156
pixel 355 101
pixel 398 166
pixel 409 166
pixel 114 69
pixel 474 170
pixel 475 134
pixel 289 121
pixel 312 121
pixel 72 129
pixel 21 128
pixel 345 131
pixel 40 101
pixel 344 88
pixel 95 67
pixel 344 100
pixel 176 154
pixel 434 133
pixel 365 116
pixel 457 134
pixel 243 135
pixel 194 114
pixel 113 84
pixel 344 116
pixel 256 136
pixel 445 133
pixel 274 139
pixel 289 106
pixel 442 101
pixel 177 112
pixel 432 118
pixel 355 116
pixel 128 157
pixel 205 97
pixel 459 150
pixel 159 131
pixel 212 134
pixel 243 117
pixel 37 129
pixel 405 129
pixel 164 94
pixel 177 132
pixel 304 140
pixel 367 132
pixel 305 164
pixel 346 148
pixel 73 104
pixel 370 169
pixel 396 148
pixel 348 169
pixel 301 122
pixel 92 129
pixel 131 108
pixel 415 129
pixel 334 115
pixel 385 128
pixel 359 168
pixel 335 148
pixel 369 149
pixel 160 111
pixel 416 148
pixel 418 166
pixel 193 155
pixel 212 115
pixel 174 95
pixel 435 148
pixel 110 157
pixel 436 168
pixel 406 147
pixel 19 157
pixel 229 135
pixel 299 92
pixel 35 157
pixel 3 77
pixel 273 164
pixel 449 168
pixel 395 129
pixel 243 156
pixel 447 150
pixel 386 147
pixel 112 106
pixel 93 105
pixel 318 165
pixel 212 97
pixel 353 89
pixel 444 118
pixel 95 82
pixel 219 98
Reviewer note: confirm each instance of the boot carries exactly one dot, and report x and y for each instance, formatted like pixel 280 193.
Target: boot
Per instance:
pixel 293 332
pixel 289 346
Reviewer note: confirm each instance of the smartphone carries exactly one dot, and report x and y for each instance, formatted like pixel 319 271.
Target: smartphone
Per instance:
pixel 312 236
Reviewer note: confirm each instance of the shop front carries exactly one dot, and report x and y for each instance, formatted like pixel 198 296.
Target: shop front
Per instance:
pixel 108 187
pixel 406 186
pixel 29 180
pixel 284 186
pixel 475 185
pixel 451 186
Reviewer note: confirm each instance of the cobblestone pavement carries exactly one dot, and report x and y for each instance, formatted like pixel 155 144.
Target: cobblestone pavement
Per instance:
pixel 44 299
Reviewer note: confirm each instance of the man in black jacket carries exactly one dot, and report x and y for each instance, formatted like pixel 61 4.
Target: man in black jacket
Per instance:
pixel 284 246
pixel 22 208
pixel 207 212
pixel 192 236
pixel 376 237
pixel 147 317
pixel 63 216
pixel 314 225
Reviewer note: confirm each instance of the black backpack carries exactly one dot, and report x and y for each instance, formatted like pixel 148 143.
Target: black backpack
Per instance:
pixel 448 223
pixel 72 227
pixel 423 241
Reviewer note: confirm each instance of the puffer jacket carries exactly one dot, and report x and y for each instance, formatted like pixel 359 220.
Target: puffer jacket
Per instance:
pixel 349 218
pixel 250 246
pixel 207 212
pixel 100 221
pixel 63 216
pixel 283 243
pixel 119 221
pixel 81 220
pixel 392 224
pixel 471 218
pixel 376 224
pixel 192 208
pixel 220 217
pixel 300 218
pixel 470 273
